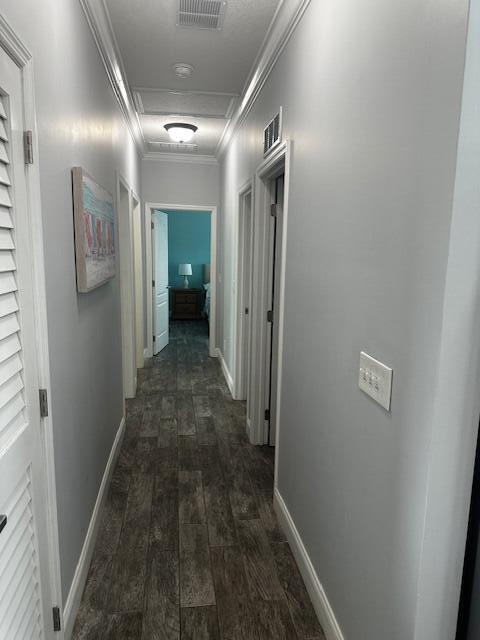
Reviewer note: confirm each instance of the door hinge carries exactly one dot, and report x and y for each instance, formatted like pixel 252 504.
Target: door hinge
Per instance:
pixel 42 394
pixel 154 338
pixel 267 415
pixel 246 311
pixel 274 210
pixel 153 226
pixel 28 146
pixel 270 316
pixel 153 283
pixel 56 619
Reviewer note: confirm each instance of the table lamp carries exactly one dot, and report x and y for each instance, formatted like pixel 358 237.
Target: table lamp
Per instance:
pixel 185 270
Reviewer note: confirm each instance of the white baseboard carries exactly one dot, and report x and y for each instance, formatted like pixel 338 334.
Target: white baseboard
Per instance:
pixel 314 587
pixel 80 577
pixel 249 428
pixel 145 354
pixel 226 372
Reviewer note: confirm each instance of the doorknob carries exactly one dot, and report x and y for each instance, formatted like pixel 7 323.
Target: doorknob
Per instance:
pixel 3 522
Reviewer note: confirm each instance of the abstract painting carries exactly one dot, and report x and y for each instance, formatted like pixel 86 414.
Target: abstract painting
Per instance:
pixel 94 216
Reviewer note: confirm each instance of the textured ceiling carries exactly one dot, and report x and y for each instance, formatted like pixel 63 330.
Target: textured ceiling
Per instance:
pixel 150 44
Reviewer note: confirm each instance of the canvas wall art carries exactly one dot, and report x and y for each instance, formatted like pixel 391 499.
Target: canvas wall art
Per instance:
pixel 94 215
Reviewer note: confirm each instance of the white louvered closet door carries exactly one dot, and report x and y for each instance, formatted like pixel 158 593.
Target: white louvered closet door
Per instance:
pixel 24 587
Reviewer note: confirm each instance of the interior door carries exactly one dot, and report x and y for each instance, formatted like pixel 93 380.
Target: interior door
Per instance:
pixel 25 597
pixel 160 288
pixel 275 249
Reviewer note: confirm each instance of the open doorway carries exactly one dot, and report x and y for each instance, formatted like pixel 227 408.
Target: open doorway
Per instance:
pixel 244 299
pixel 181 258
pixel 275 231
pixel 269 229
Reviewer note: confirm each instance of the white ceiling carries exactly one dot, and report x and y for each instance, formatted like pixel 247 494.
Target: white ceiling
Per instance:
pixel 206 138
pixel 150 44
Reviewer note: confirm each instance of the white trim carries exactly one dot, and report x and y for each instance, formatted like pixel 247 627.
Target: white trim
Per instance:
pixel 127 290
pixel 23 58
pixel 287 17
pixel 79 579
pixel 249 428
pixel 149 206
pixel 100 25
pixel 137 97
pixel 145 353
pixel 317 594
pixel 239 300
pixel 225 371
pixel 182 158
pixel 190 92
pixel 138 278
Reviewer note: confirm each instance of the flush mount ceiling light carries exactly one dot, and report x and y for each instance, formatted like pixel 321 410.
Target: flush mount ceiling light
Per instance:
pixel 180 131
pixel 182 70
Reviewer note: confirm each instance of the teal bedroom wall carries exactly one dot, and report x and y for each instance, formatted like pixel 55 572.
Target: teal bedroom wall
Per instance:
pixel 188 241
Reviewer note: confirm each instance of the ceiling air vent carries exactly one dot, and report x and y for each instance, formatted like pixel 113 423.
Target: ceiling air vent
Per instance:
pixel 201 14
pixel 272 134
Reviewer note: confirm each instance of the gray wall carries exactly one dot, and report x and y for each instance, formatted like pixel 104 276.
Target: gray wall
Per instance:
pixel 180 183
pixel 79 124
pixel 457 397
pixel 371 94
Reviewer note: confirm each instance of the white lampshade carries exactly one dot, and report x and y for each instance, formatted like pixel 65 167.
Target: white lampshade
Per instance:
pixel 184 269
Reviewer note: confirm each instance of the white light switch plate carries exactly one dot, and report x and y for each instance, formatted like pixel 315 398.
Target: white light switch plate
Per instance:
pixel 375 379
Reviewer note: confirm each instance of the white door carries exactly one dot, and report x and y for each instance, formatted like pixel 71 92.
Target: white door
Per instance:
pixel 160 278
pixel 25 597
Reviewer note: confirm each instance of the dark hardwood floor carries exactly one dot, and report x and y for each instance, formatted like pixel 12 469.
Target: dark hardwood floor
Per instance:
pixel 189 547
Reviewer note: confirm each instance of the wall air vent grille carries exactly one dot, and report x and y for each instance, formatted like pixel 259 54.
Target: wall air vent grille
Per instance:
pixel 201 14
pixel 272 134
pixel 173 147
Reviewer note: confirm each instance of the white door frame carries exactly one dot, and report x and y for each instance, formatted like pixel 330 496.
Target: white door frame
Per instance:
pixel 138 277
pixel 24 60
pixel 127 288
pixel 275 164
pixel 240 385
pixel 151 206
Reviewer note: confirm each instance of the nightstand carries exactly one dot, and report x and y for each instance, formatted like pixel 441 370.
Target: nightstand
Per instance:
pixel 187 304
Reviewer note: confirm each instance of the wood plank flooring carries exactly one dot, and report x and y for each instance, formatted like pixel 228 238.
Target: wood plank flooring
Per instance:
pixel 189 547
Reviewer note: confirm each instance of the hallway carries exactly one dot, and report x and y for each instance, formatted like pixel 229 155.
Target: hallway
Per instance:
pixel 189 546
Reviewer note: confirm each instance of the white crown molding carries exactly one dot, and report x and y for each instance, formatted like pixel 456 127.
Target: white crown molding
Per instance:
pixel 285 20
pixel 181 158
pixel 101 27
